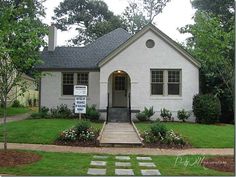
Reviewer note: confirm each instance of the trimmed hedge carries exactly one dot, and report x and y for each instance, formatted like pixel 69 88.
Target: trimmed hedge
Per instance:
pixel 206 108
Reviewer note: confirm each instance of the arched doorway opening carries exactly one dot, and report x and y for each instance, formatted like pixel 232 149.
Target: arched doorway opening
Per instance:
pixel 119 88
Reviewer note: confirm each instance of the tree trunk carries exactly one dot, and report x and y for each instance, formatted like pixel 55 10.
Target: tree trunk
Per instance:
pixel 5 124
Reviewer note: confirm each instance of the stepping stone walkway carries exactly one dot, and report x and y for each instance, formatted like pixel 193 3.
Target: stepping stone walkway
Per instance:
pixel 124 172
pixel 96 171
pixel 150 172
pixel 127 166
pixel 100 157
pixel 98 163
pixel 143 158
pixel 122 164
pixel 146 164
pixel 122 157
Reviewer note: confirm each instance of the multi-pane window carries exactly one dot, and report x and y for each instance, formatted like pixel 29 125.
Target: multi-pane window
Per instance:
pixel 68 83
pixel 173 82
pixel 82 79
pixel 71 79
pixel 157 82
pixel 119 83
pixel 165 82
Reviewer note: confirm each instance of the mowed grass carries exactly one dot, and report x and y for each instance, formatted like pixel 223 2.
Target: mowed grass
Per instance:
pixel 75 164
pixel 14 111
pixel 38 131
pixel 200 135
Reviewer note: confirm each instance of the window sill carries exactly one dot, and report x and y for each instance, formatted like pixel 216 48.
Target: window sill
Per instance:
pixel 166 97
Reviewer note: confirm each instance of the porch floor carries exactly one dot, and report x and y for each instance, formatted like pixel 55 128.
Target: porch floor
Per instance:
pixel 116 134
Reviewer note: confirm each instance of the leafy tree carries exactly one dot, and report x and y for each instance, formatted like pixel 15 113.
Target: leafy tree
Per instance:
pixel 224 9
pixel 153 8
pixel 92 19
pixel 134 18
pixel 21 35
pixel 214 47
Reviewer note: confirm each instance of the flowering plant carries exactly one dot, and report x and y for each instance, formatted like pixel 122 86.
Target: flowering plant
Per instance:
pixel 68 135
pixel 87 135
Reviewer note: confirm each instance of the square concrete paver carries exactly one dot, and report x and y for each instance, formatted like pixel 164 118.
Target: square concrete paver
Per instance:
pixel 122 157
pixel 98 163
pixel 150 172
pixel 143 158
pixel 146 164
pixel 96 171
pixel 122 164
pixel 100 157
pixel 124 172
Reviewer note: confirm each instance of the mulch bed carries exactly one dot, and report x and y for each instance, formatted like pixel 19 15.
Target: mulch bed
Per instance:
pixel 16 158
pixel 221 163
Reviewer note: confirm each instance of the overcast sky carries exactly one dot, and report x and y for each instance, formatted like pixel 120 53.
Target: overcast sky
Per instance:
pixel 177 13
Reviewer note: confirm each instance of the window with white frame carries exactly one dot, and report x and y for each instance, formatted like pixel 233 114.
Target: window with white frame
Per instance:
pixel 157 82
pixel 71 79
pixel 68 83
pixel 165 82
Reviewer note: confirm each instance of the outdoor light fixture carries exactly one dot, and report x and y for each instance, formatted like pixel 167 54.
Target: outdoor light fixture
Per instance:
pixel 119 71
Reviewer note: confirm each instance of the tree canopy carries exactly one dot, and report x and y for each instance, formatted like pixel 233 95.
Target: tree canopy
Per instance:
pixel 92 19
pixel 212 42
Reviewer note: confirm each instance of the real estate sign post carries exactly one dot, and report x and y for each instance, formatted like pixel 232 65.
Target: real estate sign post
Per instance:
pixel 80 93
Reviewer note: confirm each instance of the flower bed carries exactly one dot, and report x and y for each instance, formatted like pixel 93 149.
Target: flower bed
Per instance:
pixel 159 136
pixel 80 135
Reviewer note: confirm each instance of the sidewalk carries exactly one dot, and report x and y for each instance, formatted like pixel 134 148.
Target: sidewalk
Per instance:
pixel 15 118
pixel 125 151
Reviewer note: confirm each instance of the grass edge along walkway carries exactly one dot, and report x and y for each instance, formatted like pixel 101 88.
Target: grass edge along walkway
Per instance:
pixel 122 150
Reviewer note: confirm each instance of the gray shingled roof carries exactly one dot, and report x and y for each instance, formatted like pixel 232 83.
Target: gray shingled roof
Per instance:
pixel 84 57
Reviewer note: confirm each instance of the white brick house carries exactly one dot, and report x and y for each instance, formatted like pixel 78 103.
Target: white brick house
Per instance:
pixel 146 69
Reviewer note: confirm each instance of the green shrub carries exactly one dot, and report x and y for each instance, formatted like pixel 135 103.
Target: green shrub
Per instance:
pixel 91 113
pixel 166 114
pixel 68 135
pixel 206 108
pixel 148 112
pixel 44 112
pixel 148 137
pixel 82 126
pixel 16 104
pixel 141 116
pixel 173 138
pixel 183 115
pixel 158 129
pixel 61 111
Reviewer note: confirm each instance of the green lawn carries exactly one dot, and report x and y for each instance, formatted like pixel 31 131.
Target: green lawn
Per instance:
pixel 38 131
pixel 14 111
pixel 200 135
pixel 74 164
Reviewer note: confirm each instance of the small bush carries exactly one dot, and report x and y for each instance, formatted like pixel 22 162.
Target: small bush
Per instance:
pixel 61 111
pixel 87 135
pixel 173 138
pixel 183 115
pixel 16 104
pixel 141 116
pixel 148 137
pixel 148 112
pixel 68 135
pixel 166 114
pixel 158 129
pixel 206 108
pixel 82 126
pixel 91 113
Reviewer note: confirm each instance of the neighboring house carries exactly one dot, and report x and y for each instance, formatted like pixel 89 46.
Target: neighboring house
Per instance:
pixel 28 98
pixel 121 71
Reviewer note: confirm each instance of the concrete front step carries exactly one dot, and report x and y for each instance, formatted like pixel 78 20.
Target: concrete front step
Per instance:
pixel 118 115
pixel 120 134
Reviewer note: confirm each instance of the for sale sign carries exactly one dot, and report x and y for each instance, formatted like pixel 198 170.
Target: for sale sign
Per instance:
pixel 80 105
pixel 80 90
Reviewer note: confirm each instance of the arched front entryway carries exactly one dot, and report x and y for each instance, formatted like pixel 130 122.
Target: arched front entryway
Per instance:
pixel 119 89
